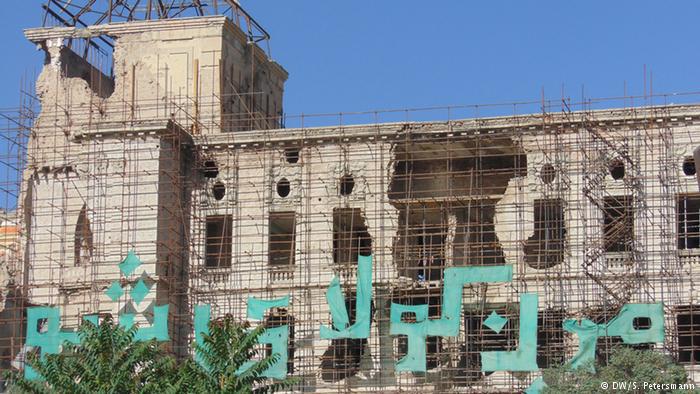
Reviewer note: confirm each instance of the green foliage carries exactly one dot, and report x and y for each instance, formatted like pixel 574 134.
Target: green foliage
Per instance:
pixel 227 347
pixel 107 360
pixel 625 365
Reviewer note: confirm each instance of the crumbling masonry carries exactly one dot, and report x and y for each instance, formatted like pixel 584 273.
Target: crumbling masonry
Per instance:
pixel 179 155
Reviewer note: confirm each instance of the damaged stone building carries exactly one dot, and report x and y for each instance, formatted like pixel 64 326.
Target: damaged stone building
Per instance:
pixel 162 174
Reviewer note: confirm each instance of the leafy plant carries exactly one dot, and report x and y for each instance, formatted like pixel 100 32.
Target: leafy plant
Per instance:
pixel 225 350
pixel 625 365
pixel 106 360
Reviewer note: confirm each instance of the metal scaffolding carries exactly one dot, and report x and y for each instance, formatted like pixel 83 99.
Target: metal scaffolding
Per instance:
pixel 594 204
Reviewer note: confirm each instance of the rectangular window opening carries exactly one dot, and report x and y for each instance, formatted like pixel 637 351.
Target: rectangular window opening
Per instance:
pixel 688 326
pixel 689 221
pixel 550 338
pixel 282 228
pixel 218 243
pixel 618 224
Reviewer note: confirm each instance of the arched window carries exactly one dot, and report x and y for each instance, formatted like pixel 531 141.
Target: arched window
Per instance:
pixel 83 239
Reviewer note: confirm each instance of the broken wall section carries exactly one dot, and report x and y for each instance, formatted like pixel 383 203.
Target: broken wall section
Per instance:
pixel 202 72
pixel 69 89
pixel 446 192
pixel 251 85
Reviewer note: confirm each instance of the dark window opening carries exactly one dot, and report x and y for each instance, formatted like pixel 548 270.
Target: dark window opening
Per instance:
pixel 434 345
pixel 641 323
pixel 617 169
pixel 476 242
pixel 350 235
pixel 282 227
pixel 276 318
pixel 219 239
pixel 457 168
pixel 83 241
pixel 688 221
pixel 606 346
pixel 550 338
pixel 545 248
pixel 688 326
pixel 689 166
pixel 480 338
pixel 547 174
pixel 618 224
pixel 218 190
pixel 283 188
pixel 408 317
pixel 210 170
pixel 342 358
pixel 420 247
pixel 347 183
pixel 291 155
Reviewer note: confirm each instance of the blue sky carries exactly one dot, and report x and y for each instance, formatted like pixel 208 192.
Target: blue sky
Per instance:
pixel 372 55
pixel 351 56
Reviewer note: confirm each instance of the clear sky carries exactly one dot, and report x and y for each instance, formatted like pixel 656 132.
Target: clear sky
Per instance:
pixel 366 55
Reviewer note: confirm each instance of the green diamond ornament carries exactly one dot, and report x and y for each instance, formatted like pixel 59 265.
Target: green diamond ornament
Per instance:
pixel 114 291
pixel 495 322
pixel 130 263
pixel 139 291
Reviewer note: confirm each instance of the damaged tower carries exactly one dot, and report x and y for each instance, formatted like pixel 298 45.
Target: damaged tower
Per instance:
pixel 160 172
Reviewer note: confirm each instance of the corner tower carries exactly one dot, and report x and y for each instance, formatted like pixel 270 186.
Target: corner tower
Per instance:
pixel 110 160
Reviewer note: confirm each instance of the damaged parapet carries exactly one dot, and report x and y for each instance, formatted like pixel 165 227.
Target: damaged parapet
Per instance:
pixel 201 72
